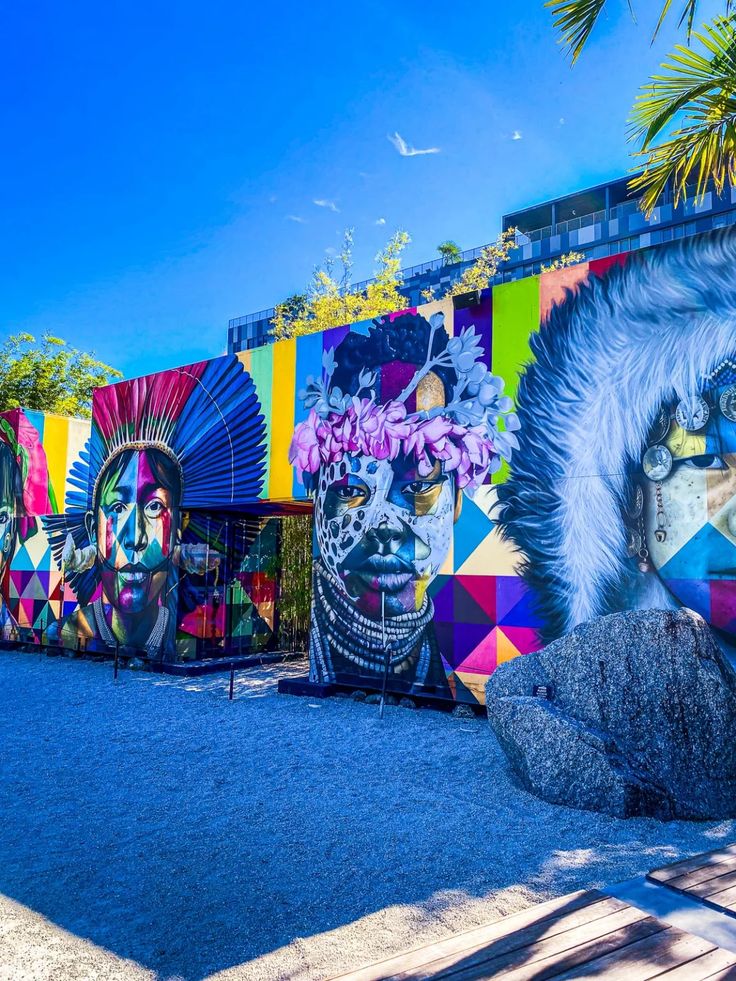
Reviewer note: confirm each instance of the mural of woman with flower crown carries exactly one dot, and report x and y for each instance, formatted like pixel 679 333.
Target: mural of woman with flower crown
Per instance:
pixel 161 445
pixel 402 423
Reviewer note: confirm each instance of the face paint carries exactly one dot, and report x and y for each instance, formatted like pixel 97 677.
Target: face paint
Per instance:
pixel 136 531
pixel 696 559
pixel 382 528
pixel 7 509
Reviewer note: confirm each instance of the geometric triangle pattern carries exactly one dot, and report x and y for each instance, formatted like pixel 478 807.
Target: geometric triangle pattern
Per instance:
pixel 481 622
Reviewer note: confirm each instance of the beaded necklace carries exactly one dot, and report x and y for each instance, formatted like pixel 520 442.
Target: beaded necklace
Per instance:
pixel 343 631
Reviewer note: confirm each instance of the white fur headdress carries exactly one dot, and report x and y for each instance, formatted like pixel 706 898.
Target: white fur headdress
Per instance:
pixel 642 335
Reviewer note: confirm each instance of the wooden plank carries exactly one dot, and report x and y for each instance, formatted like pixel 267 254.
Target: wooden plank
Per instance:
pixel 546 918
pixel 649 958
pixel 566 961
pixel 702 967
pixel 547 958
pixel 710 887
pixel 667 872
pixel 684 882
pixel 728 975
pixel 723 898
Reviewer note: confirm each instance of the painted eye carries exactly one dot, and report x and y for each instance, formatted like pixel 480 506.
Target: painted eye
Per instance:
pixel 4 517
pixel 707 461
pixel 154 508
pixel 419 487
pixel 117 508
pixel 348 493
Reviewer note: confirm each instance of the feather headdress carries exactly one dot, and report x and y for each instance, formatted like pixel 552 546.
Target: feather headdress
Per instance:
pixel 205 417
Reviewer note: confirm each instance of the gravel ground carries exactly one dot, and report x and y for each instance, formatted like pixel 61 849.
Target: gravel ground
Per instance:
pixel 153 829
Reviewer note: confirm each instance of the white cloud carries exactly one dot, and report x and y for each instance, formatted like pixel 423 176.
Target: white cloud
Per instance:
pixel 380 221
pixel 516 135
pixel 324 203
pixel 562 120
pixel 409 151
pixel 299 220
pixel 273 199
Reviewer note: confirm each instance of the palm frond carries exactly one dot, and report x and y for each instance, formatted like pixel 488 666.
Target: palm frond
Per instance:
pixel 685 118
pixel 575 20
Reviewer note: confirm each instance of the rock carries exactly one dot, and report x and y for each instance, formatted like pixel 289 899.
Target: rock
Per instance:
pixel 641 719
pixel 463 712
pixel 137 664
pixel 373 699
pixel 358 695
pixel 407 703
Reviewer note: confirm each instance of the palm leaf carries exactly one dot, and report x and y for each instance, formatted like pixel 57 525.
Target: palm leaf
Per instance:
pixel 685 118
pixel 575 20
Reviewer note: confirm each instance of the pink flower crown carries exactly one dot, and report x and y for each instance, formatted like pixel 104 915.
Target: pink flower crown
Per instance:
pixel 463 435
pixel 386 431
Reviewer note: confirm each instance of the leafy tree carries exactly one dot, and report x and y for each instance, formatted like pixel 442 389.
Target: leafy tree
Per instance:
pixel 331 302
pixel 450 252
pixel 684 119
pixel 50 375
pixel 563 261
pixel 485 267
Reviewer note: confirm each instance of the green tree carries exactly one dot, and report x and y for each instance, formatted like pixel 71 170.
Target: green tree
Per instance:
pixel 50 375
pixel 449 252
pixel 330 301
pixel 684 118
pixel 485 267
pixel 562 262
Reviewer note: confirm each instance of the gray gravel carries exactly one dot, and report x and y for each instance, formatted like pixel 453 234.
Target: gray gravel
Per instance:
pixel 152 829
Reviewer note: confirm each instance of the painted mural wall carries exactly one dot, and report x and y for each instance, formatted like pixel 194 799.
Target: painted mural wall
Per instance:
pixel 399 431
pixel 37 451
pixel 481 480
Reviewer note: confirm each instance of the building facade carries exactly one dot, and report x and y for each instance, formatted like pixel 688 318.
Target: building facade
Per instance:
pixel 597 222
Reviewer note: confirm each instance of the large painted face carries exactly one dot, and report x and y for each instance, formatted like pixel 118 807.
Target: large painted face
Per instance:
pixel 135 526
pixel 8 518
pixel 694 510
pixel 382 528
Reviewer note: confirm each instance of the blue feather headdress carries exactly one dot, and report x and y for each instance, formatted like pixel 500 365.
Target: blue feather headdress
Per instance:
pixel 205 417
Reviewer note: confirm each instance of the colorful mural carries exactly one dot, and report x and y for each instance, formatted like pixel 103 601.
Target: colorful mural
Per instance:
pixel 32 480
pixel 622 495
pixel 402 422
pixel 160 445
pixel 481 479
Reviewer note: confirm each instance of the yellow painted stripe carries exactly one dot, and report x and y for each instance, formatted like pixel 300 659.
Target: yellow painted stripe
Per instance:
pixel 282 419
pixel 55 439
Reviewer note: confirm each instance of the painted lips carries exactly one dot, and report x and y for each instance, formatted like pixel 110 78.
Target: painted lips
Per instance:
pixel 384 573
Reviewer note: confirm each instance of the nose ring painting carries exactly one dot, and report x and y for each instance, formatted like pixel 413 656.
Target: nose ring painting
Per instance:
pixel 402 422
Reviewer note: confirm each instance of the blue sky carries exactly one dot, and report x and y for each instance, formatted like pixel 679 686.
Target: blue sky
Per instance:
pixel 160 162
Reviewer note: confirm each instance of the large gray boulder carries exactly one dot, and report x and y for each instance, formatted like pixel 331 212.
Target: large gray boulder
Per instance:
pixel 641 718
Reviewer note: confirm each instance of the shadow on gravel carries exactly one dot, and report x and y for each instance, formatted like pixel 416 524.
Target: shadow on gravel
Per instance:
pixel 192 834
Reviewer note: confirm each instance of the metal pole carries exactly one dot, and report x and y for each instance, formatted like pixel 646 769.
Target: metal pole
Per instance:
pixel 232 681
pixel 387 655
pixel 117 654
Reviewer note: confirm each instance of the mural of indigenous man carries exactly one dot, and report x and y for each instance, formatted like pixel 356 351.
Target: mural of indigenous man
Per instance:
pixel 25 493
pixel 192 437
pixel 623 492
pixel 401 423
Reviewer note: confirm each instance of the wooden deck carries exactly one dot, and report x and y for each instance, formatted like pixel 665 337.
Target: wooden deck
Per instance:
pixel 710 877
pixel 583 935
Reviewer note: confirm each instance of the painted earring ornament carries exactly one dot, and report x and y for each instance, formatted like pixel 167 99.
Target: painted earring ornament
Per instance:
pixel 727 403
pixel 7 541
pixel 692 413
pixel 660 534
pixel 657 462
